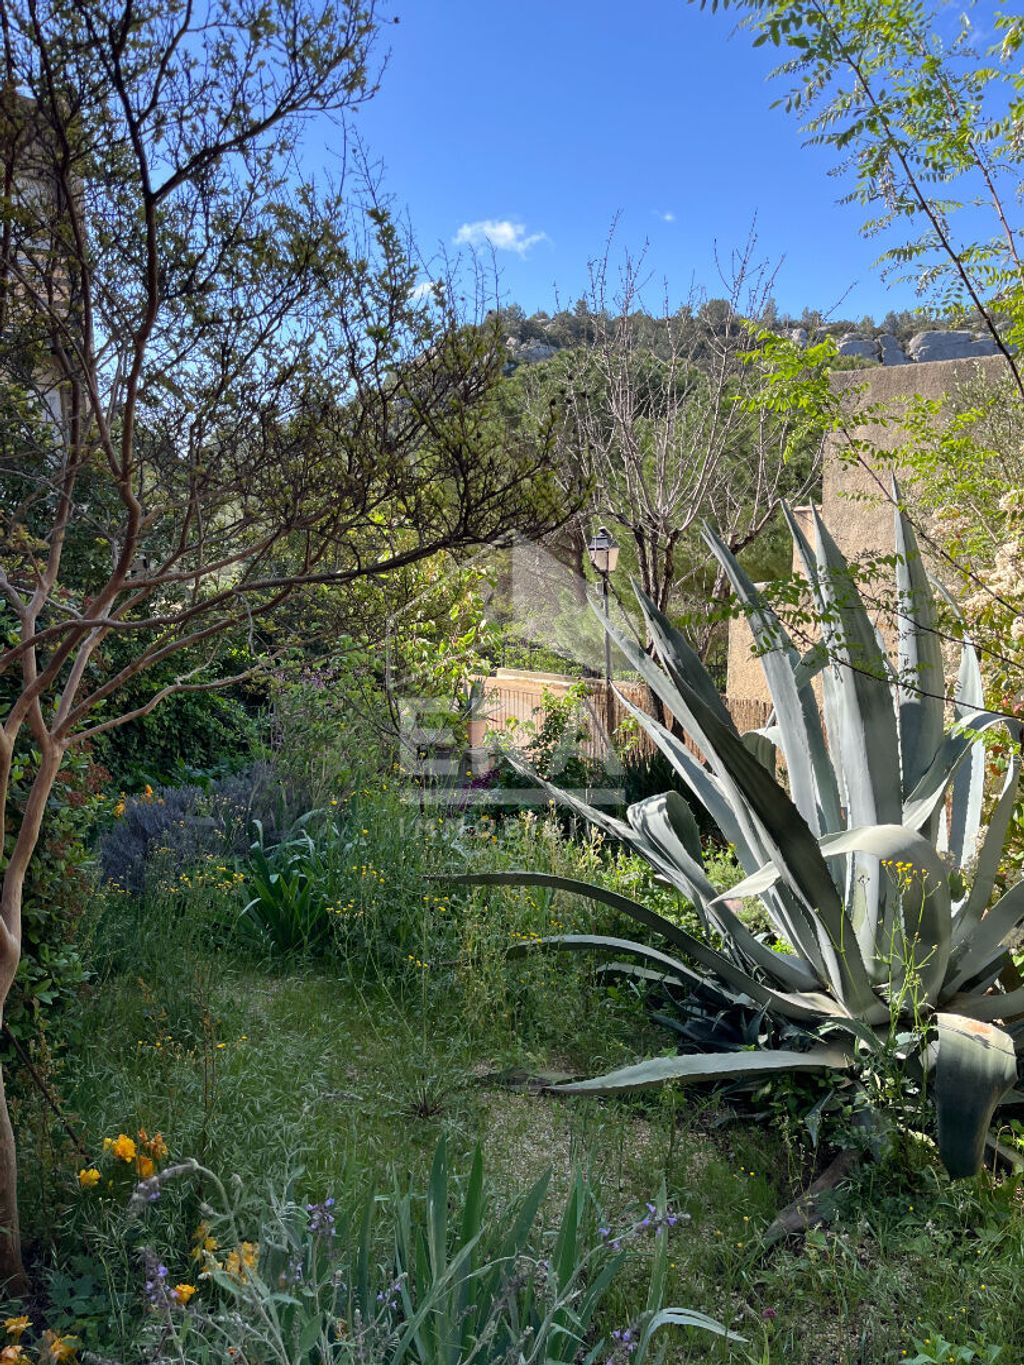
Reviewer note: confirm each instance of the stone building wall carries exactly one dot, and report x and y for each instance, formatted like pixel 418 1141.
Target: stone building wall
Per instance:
pixel 853 503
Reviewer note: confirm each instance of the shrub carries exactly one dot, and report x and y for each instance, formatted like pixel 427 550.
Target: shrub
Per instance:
pixel 455 1277
pixel 185 824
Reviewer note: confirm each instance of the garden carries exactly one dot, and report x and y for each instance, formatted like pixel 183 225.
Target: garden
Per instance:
pixel 346 1021
pixel 311 1078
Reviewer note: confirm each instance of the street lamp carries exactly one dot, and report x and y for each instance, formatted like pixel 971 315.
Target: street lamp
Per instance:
pixel 604 555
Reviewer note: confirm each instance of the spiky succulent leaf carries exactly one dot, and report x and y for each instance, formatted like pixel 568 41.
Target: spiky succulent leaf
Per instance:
pixel 808 1005
pixel 959 749
pixel 699 1067
pixel 969 784
pixel 774 821
pixel 987 942
pixel 811 777
pixel 585 943
pixel 921 688
pixel 990 855
pixel 973 1068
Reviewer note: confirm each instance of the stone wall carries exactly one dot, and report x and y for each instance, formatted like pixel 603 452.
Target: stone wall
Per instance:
pixel 853 503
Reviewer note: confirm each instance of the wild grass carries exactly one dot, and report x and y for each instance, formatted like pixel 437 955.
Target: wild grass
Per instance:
pixel 329 1076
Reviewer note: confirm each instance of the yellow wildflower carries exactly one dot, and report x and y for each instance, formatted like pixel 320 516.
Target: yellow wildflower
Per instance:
pixel 156 1145
pixel 147 792
pixel 119 808
pixel 123 1147
pixel 57 1348
pixel 14 1327
pixel 13 1352
pixel 183 1292
pixel 250 1251
pixel 87 1177
pixel 233 1264
pixel 203 1242
pixel 146 1166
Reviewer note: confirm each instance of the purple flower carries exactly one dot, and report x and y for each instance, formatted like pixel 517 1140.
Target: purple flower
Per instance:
pixel 321 1219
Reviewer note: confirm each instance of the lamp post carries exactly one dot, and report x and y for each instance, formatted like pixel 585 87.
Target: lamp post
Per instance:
pixel 604 555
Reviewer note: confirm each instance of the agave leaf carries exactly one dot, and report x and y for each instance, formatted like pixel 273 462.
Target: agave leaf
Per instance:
pixel 789 969
pixel 585 943
pixel 811 777
pixel 664 821
pixel 969 783
pixel 764 747
pixel 809 561
pixel 921 676
pixel 974 1067
pixel 990 855
pixel 680 659
pixel 634 909
pixel 707 1067
pixel 705 786
pixel 608 823
pixel 988 940
pixel 791 919
pixel 806 1006
pixel 779 825
pixel 861 723
pixel 927 912
pixel 1004 1005
pixel 632 970
pixel 811 664
pixel 791 972
pixel 667 823
pixel 671 811
pixel 960 742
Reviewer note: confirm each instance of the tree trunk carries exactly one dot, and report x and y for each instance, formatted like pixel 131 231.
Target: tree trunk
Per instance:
pixel 13 1279
pixel 12 1271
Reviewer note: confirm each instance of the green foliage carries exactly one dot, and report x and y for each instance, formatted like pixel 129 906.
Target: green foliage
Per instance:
pixel 465 1277
pixel 933 1349
pixel 879 950
pixel 187 734
pixel 288 912
pixel 60 884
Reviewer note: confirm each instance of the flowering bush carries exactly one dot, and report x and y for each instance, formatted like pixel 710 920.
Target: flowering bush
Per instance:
pixel 183 824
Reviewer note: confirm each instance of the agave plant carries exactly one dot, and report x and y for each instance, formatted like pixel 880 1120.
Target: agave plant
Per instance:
pixel 867 856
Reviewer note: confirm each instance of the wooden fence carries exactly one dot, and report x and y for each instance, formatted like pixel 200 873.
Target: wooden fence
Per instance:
pixel 514 697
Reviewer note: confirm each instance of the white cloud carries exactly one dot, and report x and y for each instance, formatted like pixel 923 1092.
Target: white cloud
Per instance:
pixel 667 216
pixel 500 233
pixel 423 290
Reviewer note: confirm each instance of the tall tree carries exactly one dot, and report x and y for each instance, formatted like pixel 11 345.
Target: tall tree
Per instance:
pixel 218 386
pixel 656 407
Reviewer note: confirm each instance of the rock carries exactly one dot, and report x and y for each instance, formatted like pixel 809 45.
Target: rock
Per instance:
pixel 531 352
pixel 892 352
pixel 798 335
pixel 854 344
pixel 927 346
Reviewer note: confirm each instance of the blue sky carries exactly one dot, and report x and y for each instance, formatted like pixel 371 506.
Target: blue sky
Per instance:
pixel 543 120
